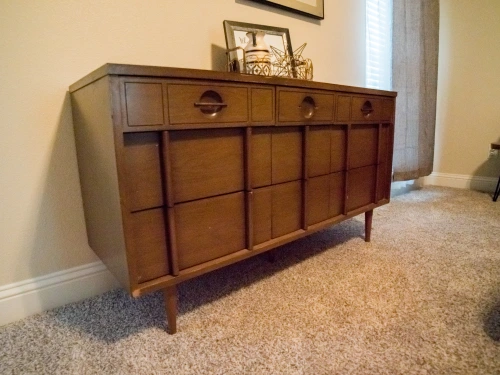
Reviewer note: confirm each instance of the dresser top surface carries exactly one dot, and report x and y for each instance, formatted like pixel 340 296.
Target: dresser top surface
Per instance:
pixel 183 73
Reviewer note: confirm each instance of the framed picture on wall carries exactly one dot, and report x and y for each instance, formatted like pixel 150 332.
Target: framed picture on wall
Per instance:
pixel 310 8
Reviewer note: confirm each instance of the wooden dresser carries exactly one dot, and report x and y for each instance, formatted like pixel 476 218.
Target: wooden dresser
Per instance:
pixel 186 171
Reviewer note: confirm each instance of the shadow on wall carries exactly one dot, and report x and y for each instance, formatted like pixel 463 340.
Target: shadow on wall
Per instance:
pixel 219 60
pixel 487 174
pixel 59 239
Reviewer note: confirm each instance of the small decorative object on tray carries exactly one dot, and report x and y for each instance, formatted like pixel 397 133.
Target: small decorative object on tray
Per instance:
pixel 257 54
pixel 264 50
pixel 294 66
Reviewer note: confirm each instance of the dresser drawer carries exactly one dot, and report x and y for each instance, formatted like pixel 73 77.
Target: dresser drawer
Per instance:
pixel 366 109
pixel 361 184
pixel 363 109
pixel 210 228
pixel 304 106
pixel 206 162
pixel 363 145
pixel 200 104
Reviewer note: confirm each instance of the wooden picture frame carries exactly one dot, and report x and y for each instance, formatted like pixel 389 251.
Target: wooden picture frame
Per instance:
pixel 310 8
pixel 235 33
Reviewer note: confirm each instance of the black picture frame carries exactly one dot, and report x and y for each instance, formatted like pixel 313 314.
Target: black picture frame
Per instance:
pixel 315 11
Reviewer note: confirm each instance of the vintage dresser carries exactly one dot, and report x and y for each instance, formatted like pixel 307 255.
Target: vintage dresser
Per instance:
pixel 186 171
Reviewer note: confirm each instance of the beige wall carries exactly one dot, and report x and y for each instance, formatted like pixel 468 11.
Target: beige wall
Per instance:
pixel 47 45
pixel 468 114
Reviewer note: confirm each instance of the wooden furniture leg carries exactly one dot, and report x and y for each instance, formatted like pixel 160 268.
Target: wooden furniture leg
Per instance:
pixel 496 146
pixel 368 225
pixel 497 191
pixel 170 294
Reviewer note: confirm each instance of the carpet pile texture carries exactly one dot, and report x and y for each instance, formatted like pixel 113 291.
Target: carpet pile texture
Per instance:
pixel 422 298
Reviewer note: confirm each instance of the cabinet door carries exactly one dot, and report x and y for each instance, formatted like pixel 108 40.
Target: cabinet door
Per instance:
pixel 286 208
pixel 363 145
pixel 385 163
pixel 337 194
pixel 286 154
pixel 207 229
pixel 361 187
pixel 338 146
pixel 325 197
pixel 206 163
pixel 326 150
pixel 146 233
pixel 319 150
pixel 277 211
pixel 262 214
pixel 142 169
pixel 261 171
pixel 318 197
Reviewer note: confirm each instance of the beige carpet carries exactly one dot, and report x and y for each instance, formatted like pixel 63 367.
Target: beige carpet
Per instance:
pixel 422 298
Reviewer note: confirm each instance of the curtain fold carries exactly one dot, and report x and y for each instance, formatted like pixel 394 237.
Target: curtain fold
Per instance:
pixel 414 76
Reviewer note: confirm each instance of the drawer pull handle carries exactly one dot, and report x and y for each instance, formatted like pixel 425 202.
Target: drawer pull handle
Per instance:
pixel 308 107
pixel 210 103
pixel 367 109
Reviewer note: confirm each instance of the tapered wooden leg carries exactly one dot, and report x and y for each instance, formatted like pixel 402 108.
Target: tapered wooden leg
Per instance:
pixel 170 294
pixel 368 225
pixel 497 191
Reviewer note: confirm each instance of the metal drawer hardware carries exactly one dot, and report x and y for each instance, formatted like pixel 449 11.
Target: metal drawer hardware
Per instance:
pixel 367 109
pixel 210 103
pixel 308 107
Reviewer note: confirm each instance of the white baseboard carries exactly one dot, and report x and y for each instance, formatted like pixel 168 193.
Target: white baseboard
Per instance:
pixel 28 297
pixel 460 181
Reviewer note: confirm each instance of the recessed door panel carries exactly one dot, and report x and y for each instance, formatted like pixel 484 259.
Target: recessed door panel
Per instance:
pixel 343 112
pixel 207 229
pixel 319 148
pixel 318 197
pixel 361 187
pixel 262 105
pixel 141 155
pixel 262 214
pixel 363 144
pixel 286 154
pixel 144 103
pixel 261 173
pixel 337 194
pixel 338 146
pixel 148 243
pixel 286 208
pixel 206 163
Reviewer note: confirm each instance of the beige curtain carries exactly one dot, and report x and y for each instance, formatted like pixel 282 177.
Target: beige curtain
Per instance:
pixel 415 42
